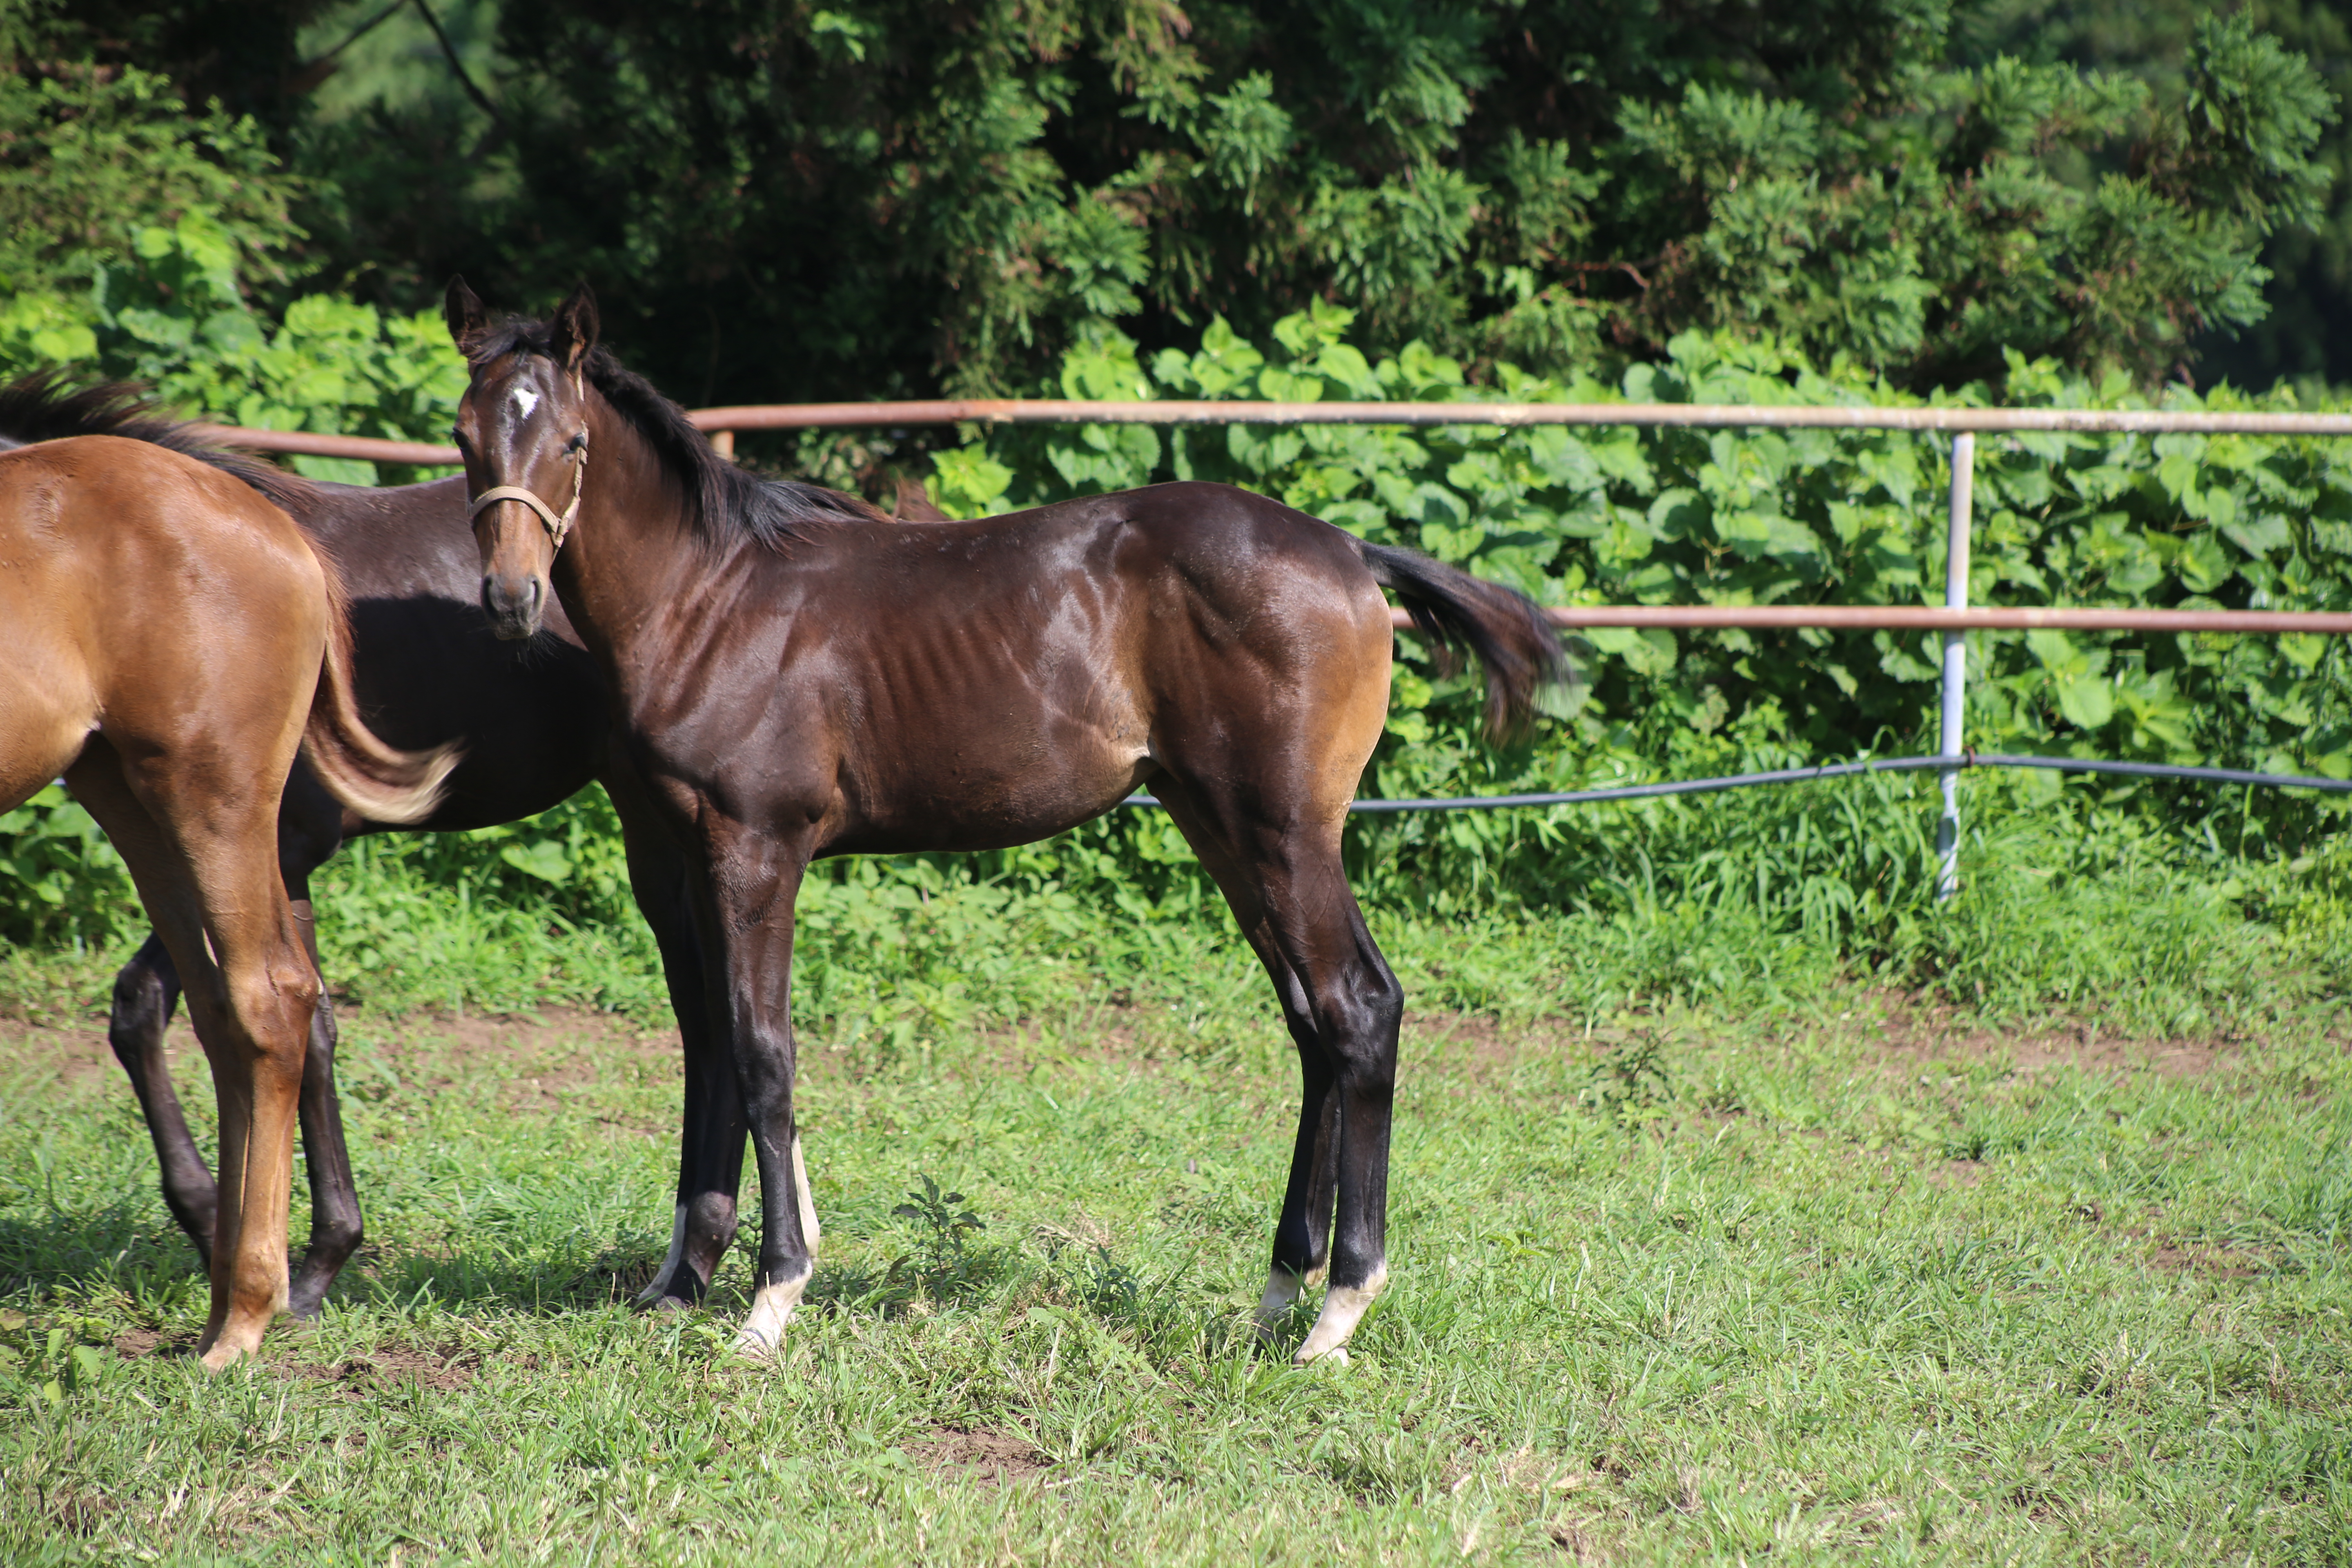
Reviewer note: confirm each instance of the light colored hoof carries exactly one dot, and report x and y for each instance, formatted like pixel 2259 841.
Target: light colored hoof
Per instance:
pixel 762 1333
pixel 751 1347
pixel 1343 1308
pixel 220 1358
pixel 1336 1356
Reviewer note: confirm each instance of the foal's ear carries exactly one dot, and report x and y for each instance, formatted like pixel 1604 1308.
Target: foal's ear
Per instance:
pixel 467 316
pixel 575 326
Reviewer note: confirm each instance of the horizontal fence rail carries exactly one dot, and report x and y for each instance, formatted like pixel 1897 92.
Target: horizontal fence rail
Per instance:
pixel 1067 411
pixel 1236 411
pixel 1922 617
pixel 1842 770
pixel 1953 620
pixel 311 444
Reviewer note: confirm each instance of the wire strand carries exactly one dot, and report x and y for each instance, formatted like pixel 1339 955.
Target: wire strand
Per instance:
pixel 1843 770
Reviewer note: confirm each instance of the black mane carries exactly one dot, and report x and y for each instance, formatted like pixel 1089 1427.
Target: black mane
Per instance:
pixel 728 502
pixel 44 406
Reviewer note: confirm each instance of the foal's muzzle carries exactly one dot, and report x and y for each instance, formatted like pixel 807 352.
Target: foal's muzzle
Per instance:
pixel 514 603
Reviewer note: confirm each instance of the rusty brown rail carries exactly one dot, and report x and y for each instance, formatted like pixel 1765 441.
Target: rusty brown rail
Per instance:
pixel 310 444
pixel 723 423
pixel 1063 411
pixel 1920 617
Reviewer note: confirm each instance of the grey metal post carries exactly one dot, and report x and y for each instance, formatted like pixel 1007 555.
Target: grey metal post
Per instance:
pixel 1956 656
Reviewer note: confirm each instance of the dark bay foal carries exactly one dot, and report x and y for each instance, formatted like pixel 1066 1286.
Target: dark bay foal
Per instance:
pixel 800 679
pixel 534 726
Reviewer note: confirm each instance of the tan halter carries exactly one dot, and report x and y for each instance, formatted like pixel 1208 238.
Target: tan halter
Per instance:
pixel 558 527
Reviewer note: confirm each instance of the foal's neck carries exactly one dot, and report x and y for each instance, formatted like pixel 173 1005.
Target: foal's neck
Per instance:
pixel 635 554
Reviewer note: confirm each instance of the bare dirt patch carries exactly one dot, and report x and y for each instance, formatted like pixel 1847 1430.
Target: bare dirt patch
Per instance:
pixel 63 1056
pixel 1916 1033
pixel 358 1376
pixel 1937 1033
pixel 2210 1262
pixel 132 1345
pixel 1957 1174
pixel 544 1056
pixel 992 1459
pixel 541 1062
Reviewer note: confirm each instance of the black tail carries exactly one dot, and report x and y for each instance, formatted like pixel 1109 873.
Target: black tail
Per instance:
pixel 47 406
pixel 1506 629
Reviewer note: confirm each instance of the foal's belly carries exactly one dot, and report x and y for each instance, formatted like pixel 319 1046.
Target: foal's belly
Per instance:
pixel 943 797
pixel 989 807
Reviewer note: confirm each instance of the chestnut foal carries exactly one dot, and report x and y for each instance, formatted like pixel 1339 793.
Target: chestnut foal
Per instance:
pixel 168 640
pixel 800 677
pixel 534 726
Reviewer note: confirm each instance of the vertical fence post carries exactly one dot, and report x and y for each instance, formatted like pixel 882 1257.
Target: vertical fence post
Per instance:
pixel 723 443
pixel 1956 658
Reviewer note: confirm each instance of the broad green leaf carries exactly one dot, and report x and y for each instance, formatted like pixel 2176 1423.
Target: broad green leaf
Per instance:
pixel 2258 535
pixel 2087 701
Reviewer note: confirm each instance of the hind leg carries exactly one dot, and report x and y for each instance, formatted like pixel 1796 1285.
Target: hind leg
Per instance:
pixel 207 872
pixel 1281 872
pixel 146 993
pixel 337 1227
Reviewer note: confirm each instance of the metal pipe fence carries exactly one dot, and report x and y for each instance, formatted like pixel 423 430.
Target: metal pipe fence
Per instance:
pixel 1947 765
pixel 1954 619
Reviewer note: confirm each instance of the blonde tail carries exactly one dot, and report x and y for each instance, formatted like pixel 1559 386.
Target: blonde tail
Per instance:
pixel 381 783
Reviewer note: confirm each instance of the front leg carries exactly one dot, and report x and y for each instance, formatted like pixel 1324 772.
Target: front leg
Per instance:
pixel 747 887
pixel 711 1132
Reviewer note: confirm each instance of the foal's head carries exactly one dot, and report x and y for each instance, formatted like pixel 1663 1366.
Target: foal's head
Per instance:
pixel 522 430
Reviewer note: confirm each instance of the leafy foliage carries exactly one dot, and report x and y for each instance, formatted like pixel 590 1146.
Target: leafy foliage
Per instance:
pixel 147 241
pixel 1543 182
pixel 88 160
pixel 171 312
pixel 60 880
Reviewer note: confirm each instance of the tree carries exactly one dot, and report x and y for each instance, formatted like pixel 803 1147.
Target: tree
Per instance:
pixel 781 200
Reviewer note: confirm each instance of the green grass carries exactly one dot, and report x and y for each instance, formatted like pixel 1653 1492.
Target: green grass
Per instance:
pixel 1694 1258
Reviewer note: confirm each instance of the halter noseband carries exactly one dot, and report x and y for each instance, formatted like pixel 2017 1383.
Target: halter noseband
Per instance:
pixel 558 527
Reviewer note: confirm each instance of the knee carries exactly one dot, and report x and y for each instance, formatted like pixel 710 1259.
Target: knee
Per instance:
pixel 319 1057
pixel 1366 1013
pixel 710 1218
pixel 336 1228
pixel 277 1006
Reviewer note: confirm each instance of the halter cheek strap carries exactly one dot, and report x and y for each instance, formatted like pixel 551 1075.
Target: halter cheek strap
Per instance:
pixel 559 527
